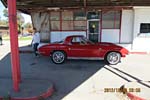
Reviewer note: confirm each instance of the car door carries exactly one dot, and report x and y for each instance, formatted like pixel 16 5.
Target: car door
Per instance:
pixel 92 50
pixel 78 48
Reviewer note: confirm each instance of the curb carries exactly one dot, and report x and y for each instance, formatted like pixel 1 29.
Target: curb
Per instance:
pixel 141 53
pixel 45 95
pixel 134 97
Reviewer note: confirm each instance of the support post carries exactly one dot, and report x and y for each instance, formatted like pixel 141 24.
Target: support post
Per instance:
pixel 15 61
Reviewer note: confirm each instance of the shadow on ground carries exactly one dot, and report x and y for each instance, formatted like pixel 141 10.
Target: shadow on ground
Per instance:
pixel 66 77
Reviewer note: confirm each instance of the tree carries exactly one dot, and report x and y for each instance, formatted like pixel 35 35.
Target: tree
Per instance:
pixel 28 27
pixel 5 12
pixel 20 19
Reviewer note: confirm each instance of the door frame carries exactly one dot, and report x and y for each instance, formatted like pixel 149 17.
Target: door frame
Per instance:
pixel 99 28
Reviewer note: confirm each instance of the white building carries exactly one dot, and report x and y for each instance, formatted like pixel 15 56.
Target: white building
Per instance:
pixel 124 22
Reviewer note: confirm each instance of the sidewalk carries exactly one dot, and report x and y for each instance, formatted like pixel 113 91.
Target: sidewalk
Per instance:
pixel 132 72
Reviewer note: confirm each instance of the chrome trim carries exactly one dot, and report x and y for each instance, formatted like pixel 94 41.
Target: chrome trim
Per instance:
pixel 86 58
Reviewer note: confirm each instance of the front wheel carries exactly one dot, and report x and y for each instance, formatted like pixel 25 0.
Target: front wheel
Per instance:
pixel 113 58
pixel 58 57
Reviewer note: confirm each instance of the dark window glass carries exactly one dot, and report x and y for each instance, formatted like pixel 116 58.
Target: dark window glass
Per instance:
pixel 111 19
pixel 117 19
pixel 93 15
pixel 145 28
pixel 79 15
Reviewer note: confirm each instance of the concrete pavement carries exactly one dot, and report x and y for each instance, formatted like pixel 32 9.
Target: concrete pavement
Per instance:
pixel 132 70
pixel 30 88
pixel 80 79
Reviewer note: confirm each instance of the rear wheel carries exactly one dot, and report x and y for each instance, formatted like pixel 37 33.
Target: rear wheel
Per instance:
pixel 113 58
pixel 58 57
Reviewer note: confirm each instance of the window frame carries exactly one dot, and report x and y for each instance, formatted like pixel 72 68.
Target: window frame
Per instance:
pixel 83 27
pixel 115 12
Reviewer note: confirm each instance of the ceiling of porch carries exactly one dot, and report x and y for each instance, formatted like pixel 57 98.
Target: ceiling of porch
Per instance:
pixel 28 5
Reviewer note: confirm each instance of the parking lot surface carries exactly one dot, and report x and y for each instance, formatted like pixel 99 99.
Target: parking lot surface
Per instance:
pixel 79 79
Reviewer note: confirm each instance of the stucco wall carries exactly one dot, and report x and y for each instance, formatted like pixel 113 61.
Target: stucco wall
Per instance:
pixel 110 35
pixel 141 15
pixel 127 26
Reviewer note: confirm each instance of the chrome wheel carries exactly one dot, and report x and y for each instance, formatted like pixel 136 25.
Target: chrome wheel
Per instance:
pixel 58 57
pixel 113 58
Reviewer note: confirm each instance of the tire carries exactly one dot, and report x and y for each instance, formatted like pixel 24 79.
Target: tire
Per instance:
pixel 58 57
pixel 113 58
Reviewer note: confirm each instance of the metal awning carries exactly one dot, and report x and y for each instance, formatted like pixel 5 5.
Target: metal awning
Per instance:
pixel 28 5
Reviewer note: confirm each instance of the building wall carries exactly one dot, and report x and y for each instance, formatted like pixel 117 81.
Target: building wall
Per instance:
pixel 130 26
pixel 110 35
pixel 141 15
pixel 127 26
pixel 141 40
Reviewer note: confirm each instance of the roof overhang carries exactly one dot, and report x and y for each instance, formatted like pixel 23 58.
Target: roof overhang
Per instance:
pixel 28 6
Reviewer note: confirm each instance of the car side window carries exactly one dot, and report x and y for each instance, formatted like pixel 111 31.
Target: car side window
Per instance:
pixel 78 40
pixel 75 40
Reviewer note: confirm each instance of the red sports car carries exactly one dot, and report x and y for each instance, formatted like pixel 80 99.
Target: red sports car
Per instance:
pixel 78 47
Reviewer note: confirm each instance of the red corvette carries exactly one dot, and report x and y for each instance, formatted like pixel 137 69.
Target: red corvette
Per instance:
pixel 78 47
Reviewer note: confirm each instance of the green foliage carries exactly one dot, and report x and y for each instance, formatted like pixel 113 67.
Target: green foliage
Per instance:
pixel 20 20
pixel 5 12
pixel 28 25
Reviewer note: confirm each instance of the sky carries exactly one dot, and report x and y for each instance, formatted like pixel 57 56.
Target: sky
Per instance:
pixel 26 17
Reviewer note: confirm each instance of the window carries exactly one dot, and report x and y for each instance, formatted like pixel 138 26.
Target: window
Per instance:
pixel 111 19
pixel 93 15
pixel 145 28
pixel 67 15
pixel 68 20
pixel 67 25
pixel 55 20
pixel 55 16
pixel 79 40
pixel 79 25
pixel 76 40
pixel 79 15
pixel 79 20
pixel 55 25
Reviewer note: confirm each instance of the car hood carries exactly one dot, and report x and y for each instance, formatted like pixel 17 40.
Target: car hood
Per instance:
pixel 109 45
